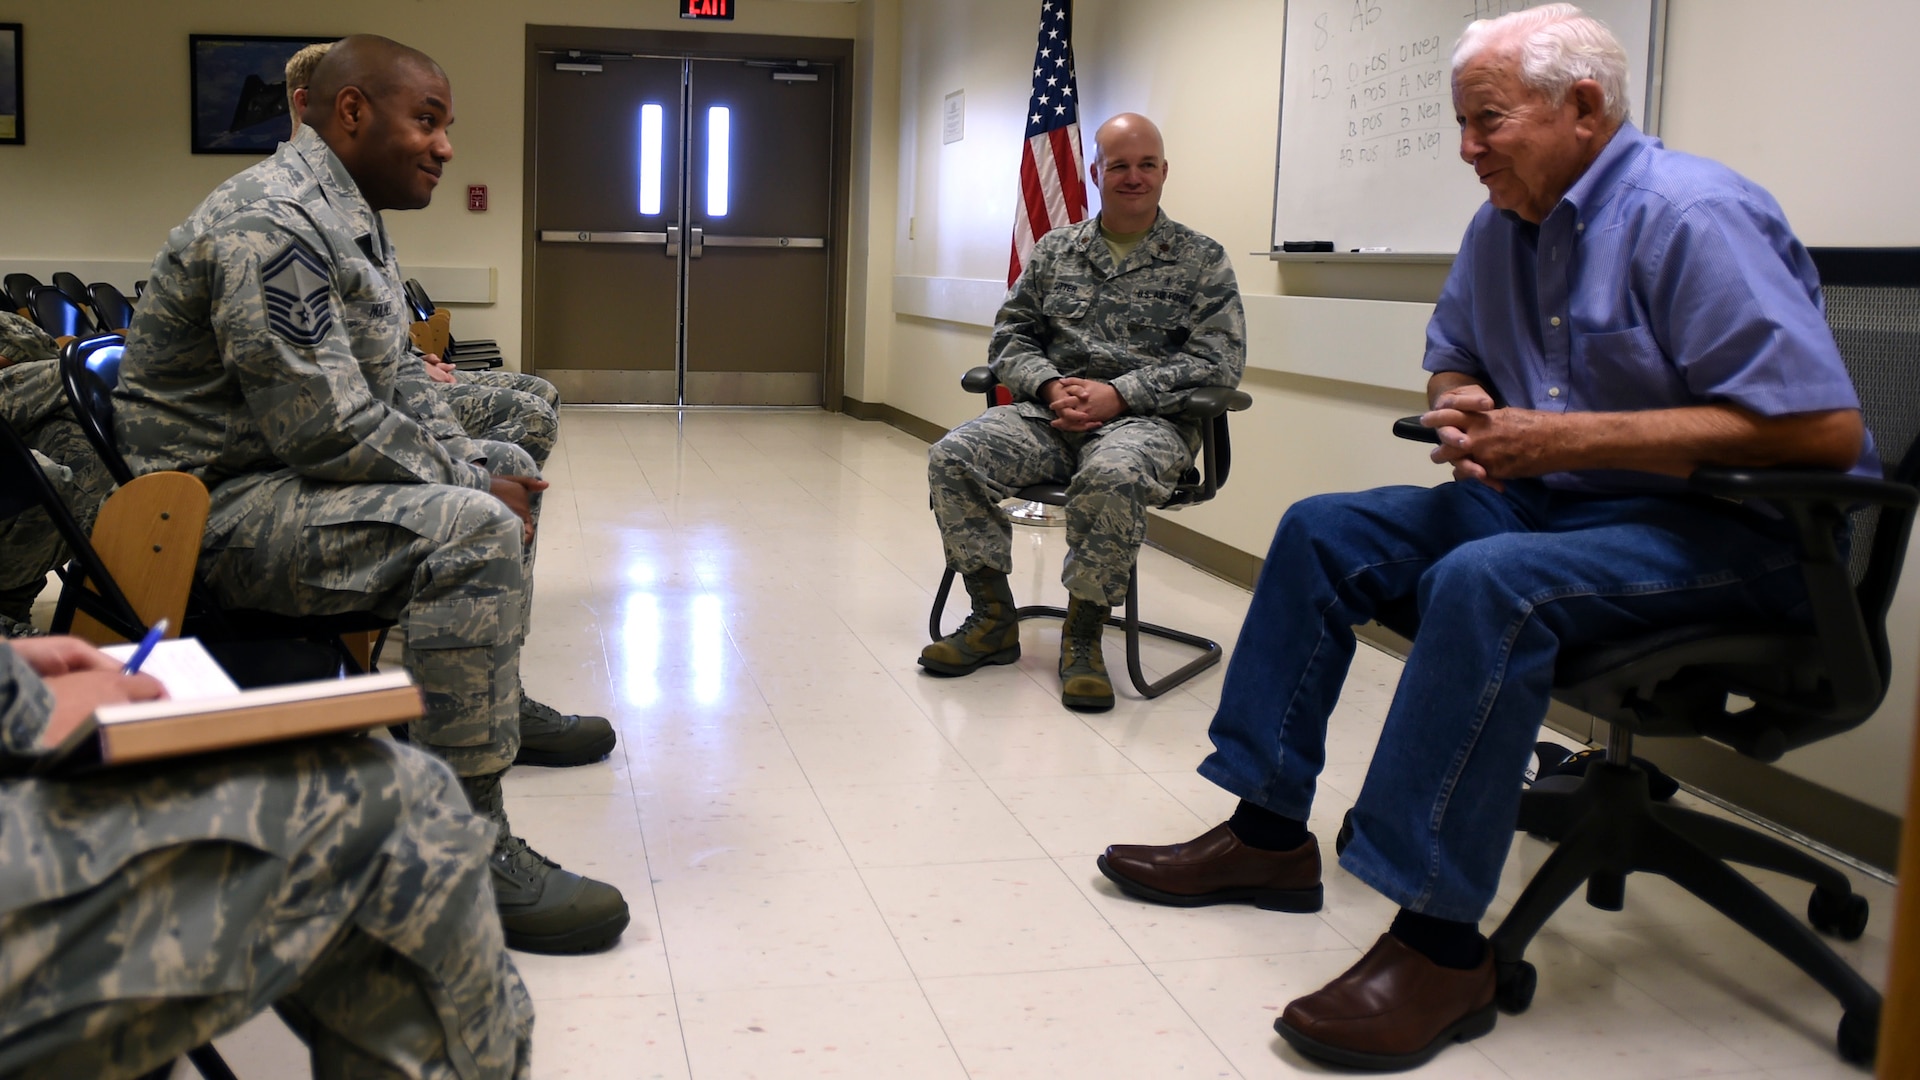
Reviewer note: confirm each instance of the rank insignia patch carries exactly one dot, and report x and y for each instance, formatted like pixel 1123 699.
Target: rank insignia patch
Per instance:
pixel 296 289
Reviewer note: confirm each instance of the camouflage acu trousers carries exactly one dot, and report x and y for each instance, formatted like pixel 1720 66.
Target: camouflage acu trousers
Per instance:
pixel 447 562
pixel 1113 475
pixel 144 911
pixel 31 399
pixel 514 380
pixel 505 406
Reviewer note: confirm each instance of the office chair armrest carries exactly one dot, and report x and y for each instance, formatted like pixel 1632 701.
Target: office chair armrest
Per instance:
pixel 1210 401
pixel 979 380
pixel 1801 485
pixel 1410 427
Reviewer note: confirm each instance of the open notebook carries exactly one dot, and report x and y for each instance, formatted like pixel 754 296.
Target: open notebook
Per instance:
pixel 207 712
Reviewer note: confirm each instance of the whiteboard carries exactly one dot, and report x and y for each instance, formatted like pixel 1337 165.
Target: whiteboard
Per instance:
pixel 1369 150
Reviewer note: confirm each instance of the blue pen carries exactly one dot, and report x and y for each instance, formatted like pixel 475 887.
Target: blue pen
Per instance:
pixel 146 648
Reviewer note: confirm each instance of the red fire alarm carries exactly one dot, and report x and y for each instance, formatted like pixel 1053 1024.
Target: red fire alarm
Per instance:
pixel 476 196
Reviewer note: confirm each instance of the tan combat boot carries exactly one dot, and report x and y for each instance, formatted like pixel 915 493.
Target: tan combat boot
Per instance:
pixel 991 634
pixel 1083 670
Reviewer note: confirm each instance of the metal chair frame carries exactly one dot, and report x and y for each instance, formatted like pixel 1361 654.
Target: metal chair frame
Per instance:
pixel 1210 405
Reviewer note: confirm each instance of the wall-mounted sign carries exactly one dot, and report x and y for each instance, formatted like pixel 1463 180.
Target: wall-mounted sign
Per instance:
pixel 707 9
pixel 953 117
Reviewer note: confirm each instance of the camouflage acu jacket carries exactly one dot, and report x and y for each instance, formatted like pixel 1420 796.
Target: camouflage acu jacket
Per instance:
pixel 21 341
pixel 25 706
pixel 1160 325
pixel 272 340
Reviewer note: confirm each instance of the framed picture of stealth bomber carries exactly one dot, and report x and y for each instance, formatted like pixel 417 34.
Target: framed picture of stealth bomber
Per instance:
pixel 240 91
pixel 13 128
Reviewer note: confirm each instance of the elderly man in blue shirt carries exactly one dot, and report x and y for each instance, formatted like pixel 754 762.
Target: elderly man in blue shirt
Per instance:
pixel 1619 314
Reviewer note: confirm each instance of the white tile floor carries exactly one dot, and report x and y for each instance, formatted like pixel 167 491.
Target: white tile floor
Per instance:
pixel 841 867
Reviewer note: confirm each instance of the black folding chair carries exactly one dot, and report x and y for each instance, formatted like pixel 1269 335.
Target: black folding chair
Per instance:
pixel 474 354
pixel 110 306
pixel 19 288
pixel 58 315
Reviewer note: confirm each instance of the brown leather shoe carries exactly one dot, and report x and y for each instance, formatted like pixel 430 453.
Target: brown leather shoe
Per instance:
pixel 1392 1010
pixel 1216 868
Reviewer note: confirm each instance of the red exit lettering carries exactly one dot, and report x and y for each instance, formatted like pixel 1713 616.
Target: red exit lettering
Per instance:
pixel 706 9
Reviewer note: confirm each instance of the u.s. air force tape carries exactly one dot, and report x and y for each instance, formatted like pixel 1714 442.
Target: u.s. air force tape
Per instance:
pixel 295 287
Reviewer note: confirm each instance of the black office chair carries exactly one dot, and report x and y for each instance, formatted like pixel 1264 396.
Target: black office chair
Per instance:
pixel 18 288
pixel 58 315
pixel 472 354
pixel 1806 684
pixel 110 306
pixel 76 290
pixel 89 370
pixel 1200 482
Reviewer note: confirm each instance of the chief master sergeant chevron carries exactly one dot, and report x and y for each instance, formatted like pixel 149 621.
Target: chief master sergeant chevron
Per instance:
pixel 270 358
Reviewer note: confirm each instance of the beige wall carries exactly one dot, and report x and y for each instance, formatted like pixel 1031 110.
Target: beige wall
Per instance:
pixel 1819 134
pixel 106 170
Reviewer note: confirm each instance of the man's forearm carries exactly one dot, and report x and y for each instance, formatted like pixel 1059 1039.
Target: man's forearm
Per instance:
pixel 1677 441
pixel 1442 381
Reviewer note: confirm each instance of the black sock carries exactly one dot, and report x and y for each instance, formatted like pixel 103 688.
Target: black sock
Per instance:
pixel 1261 828
pixel 1447 943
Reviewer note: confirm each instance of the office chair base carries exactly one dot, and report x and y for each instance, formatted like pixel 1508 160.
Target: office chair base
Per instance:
pixel 1610 827
pixel 1129 623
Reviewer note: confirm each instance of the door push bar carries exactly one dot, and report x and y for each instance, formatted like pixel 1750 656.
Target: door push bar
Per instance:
pixel 698 240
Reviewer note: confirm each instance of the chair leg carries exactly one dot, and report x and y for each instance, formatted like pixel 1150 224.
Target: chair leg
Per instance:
pixel 1736 843
pixel 1668 853
pixel 1577 858
pixel 1209 649
pixel 940 605
pixel 208 1061
pixel 1130 623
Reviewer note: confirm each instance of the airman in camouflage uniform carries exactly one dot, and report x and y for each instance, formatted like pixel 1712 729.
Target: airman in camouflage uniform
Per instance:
pixel 144 911
pixel 270 358
pixel 488 404
pixel 1114 322
pixel 34 403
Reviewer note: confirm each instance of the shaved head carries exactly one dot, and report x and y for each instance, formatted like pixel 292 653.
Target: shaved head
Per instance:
pixel 1128 124
pixel 384 110
pixel 1129 165
pixel 374 65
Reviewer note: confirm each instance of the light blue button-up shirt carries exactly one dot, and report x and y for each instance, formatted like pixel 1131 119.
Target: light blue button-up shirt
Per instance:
pixel 1660 280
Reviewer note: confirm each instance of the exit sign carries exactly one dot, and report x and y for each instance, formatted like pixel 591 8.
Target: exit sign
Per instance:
pixel 706 9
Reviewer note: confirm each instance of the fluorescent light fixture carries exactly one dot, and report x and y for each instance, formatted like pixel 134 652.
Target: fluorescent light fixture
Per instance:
pixel 575 65
pixel 796 76
pixel 651 119
pixel 719 130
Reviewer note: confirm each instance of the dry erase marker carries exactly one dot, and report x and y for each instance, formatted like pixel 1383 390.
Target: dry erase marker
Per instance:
pixel 146 648
pixel 1371 250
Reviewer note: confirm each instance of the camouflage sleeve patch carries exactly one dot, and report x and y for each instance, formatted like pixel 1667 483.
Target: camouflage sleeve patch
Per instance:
pixel 298 291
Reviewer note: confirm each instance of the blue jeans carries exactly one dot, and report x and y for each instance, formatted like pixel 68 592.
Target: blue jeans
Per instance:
pixel 1502 582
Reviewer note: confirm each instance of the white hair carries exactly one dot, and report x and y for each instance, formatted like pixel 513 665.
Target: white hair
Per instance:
pixel 1557 45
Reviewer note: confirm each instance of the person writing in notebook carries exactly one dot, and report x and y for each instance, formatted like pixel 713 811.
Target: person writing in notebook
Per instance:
pixel 144 912
pixel 1110 328
pixel 1618 315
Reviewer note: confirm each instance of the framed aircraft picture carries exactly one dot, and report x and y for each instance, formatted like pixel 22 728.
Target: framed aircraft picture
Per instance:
pixel 240 91
pixel 13 127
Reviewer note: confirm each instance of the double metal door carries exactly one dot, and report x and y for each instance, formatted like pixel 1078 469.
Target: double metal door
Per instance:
pixel 683 207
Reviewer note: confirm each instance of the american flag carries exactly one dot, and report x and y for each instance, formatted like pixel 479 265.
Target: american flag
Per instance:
pixel 1052 193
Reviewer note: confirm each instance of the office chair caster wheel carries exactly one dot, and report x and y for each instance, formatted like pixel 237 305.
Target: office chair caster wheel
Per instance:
pixel 1843 916
pixel 1345 837
pixel 1514 985
pixel 1859 1035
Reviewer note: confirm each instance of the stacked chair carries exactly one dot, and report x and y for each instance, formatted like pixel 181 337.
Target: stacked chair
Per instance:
pixel 472 355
